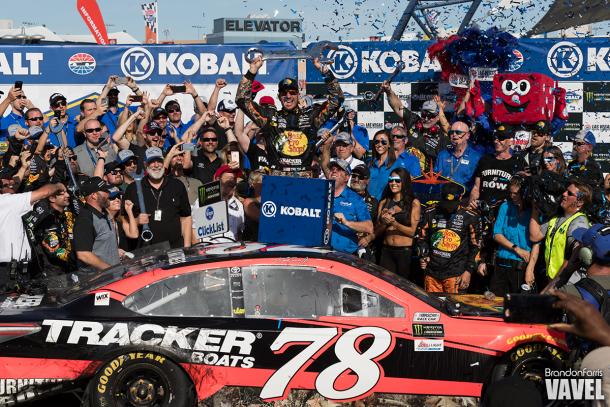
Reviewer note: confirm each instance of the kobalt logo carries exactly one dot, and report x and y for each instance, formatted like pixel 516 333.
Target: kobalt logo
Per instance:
pixel 138 63
pixel 269 209
pixel 565 59
pixel 15 63
pixel 345 61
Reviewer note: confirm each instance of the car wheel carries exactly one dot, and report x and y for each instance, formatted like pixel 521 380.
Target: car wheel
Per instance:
pixel 140 379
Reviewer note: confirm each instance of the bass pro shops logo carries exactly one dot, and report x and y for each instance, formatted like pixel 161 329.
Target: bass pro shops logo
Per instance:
pixel 138 63
pixel 565 59
pixel 345 62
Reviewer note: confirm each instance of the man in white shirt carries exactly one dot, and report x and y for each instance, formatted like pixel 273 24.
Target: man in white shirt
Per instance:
pixel 14 245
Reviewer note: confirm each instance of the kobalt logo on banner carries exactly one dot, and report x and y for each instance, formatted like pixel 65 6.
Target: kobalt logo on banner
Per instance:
pixel 564 59
pixel 269 209
pixel 138 63
pixel 345 61
pixel 20 63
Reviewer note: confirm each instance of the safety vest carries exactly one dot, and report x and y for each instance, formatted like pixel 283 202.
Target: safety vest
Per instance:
pixel 555 244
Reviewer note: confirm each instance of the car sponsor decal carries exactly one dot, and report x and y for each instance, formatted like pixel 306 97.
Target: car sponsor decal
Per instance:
pixel 22 301
pixel 429 345
pixel 114 365
pixel 363 364
pixel 428 330
pixel 426 317
pixel 102 299
pixel 14 391
pixel 532 337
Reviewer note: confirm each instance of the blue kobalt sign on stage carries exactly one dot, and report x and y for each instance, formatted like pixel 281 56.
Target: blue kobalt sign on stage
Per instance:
pixel 296 211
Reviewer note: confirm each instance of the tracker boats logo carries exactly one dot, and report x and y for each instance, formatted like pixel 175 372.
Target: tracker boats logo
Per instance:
pixel 573 384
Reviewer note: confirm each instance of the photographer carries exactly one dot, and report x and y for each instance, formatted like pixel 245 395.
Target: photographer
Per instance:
pixel 558 232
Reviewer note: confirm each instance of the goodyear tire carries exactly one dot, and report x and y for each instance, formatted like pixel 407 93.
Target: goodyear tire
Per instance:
pixel 140 379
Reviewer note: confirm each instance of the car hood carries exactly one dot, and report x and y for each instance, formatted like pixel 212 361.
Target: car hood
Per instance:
pixel 474 305
pixel 14 303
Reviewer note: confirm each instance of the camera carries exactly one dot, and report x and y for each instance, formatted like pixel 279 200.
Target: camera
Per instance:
pixel 545 190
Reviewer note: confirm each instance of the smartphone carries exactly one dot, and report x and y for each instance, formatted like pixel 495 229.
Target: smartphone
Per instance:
pixel 18 85
pixel 121 80
pixel 104 101
pixel 178 88
pixel 57 113
pixel 235 156
pixel 531 309
pixel 188 147
pixel 135 98
pixel 103 142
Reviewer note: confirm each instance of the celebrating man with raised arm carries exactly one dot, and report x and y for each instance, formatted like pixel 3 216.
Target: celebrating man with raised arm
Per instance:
pixel 290 133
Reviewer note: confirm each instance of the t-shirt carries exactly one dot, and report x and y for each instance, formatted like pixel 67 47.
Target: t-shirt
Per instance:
pixel 13 242
pixel 352 206
pixel 204 169
pixel 94 232
pixel 258 157
pixel 495 175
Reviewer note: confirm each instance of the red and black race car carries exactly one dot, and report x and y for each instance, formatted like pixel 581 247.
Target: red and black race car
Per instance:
pixel 178 326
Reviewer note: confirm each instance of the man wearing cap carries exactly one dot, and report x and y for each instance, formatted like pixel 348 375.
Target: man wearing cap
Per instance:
pixel 168 212
pixel 350 213
pixel 87 153
pixel 359 182
pixel 459 162
pixel 558 232
pixel 128 162
pixel 344 148
pixel 583 165
pixel 95 238
pixel 290 132
pixel 18 102
pixel 428 132
pixel 495 172
pixel 540 139
pixel 450 234
pixel 59 105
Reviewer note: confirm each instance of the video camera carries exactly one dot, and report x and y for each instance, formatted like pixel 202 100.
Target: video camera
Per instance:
pixel 545 190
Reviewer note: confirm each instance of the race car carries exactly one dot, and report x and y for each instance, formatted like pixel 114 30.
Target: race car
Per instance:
pixel 175 327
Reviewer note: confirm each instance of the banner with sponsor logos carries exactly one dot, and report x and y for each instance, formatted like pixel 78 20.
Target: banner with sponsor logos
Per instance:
pixel 580 65
pixel 80 71
pixel 296 211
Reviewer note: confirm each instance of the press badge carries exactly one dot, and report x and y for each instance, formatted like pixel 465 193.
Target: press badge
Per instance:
pixel 157 216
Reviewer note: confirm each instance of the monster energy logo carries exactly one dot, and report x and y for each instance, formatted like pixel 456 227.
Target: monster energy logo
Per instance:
pixel 428 330
pixel 589 96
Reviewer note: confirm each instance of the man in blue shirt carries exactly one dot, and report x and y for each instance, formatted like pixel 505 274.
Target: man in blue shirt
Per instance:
pixel 111 117
pixel 18 102
pixel 404 156
pixel 58 103
pixel 350 213
pixel 460 163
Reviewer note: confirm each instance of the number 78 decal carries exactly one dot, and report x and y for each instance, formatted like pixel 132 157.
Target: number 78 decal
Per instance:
pixel 364 364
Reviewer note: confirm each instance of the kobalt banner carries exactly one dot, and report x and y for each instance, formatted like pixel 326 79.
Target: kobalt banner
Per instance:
pixel 160 64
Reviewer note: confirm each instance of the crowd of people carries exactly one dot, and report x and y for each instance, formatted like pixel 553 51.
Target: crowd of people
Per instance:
pixel 88 186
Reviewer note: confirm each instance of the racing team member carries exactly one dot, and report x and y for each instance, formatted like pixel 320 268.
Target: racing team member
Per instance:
pixel 584 166
pixel 427 133
pixel 450 233
pixel 291 132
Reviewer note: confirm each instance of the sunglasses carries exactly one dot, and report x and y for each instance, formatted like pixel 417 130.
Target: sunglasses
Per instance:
pixel 428 115
pixel 93 130
pixel 130 163
pixel 117 196
pixel 458 132
pixel 574 194
pixel 398 136
pixel 58 104
pixel 382 142
pixel 173 110
pixel 580 143
pixel 502 138
pixel 20 97
pixel 290 92
pixel 155 133
pixel 36 118
pixel 209 140
pixel 549 160
pixel 394 180
pixel 358 177
pixel 115 172
pixel 73 158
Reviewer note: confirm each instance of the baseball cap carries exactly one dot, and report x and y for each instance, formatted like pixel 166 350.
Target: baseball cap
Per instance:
pixel 172 102
pixel 111 166
pixel 344 138
pixel 597 237
pixel 286 84
pixel 430 106
pixel 152 127
pixel 267 100
pixel 542 126
pixel 257 86
pixel 225 168
pixel 362 170
pixel 226 105
pixel 159 111
pixel 586 136
pixel 451 195
pixel 503 132
pixel 114 90
pixel 344 165
pixel 153 153
pixel 94 184
pixel 125 155
pixel 56 97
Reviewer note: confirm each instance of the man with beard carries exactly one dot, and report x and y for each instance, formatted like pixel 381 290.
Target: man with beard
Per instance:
pixel 344 148
pixel 541 138
pixel 449 231
pixel 52 243
pixel 168 212
pixel 427 133
pixel 583 165
pixel 95 239
pixel 350 214
pixel 87 153
pixel 291 132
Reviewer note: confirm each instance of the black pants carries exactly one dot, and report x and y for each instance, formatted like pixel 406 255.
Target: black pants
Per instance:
pixel 507 279
pixel 397 259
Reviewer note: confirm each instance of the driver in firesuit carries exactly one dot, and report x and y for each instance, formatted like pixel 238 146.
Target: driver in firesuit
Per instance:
pixel 291 132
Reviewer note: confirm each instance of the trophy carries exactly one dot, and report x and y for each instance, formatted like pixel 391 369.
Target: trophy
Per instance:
pixel 314 50
pixel 397 69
